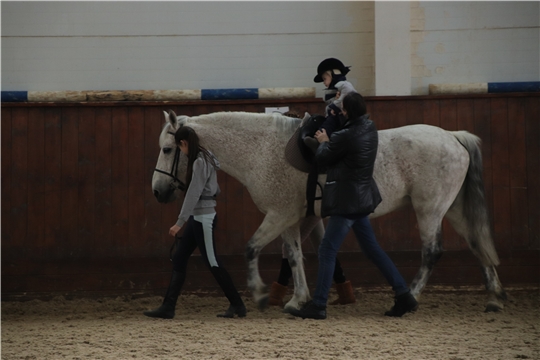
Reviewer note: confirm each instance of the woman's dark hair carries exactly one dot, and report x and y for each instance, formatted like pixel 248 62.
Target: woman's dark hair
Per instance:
pixel 194 148
pixel 354 105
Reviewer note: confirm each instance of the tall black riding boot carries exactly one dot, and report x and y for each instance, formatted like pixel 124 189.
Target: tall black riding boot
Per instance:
pixel 224 280
pixel 166 310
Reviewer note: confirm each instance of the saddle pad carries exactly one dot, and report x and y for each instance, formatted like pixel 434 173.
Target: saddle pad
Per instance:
pixel 293 154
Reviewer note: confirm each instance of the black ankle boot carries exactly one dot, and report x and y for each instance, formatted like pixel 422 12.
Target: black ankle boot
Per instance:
pixel 166 310
pixel 403 303
pixel 310 311
pixel 234 310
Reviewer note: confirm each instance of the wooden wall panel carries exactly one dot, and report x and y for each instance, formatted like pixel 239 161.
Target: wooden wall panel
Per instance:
pixel 532 131
pixel 6 168
pixel 136 183
pixel 52 179
pixel 103 182
pixel 86 222
pixel 518 173
pixel 19 182
pixel 36 167
pixel 431 112
pixel 68 246
pixel 120 181
pixel 77 200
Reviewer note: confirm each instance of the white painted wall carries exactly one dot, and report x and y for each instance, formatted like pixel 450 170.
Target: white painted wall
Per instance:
pixel 192 45
pixel 467 42
pixel 182 45
pixel 392 48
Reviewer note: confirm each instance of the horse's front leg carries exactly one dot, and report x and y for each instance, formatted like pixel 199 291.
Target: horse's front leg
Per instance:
pixel 293 247
pixel 271 227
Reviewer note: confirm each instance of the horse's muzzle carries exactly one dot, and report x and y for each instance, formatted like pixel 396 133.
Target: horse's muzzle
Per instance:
pixel 165 196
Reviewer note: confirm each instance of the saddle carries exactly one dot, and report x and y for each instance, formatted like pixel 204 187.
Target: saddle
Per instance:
pixel 302 158
pixel 296 152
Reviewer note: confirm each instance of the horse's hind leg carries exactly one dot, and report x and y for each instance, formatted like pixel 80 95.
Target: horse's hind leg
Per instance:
pixel 429 225
pixel 496 293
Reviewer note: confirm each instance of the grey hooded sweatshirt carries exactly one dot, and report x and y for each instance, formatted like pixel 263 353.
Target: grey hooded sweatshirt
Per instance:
pixel 203 183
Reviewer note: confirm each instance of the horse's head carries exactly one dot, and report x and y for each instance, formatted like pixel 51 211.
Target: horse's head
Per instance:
pixel 170 172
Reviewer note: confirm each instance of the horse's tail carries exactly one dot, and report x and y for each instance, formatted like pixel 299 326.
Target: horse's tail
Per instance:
pixel 475 212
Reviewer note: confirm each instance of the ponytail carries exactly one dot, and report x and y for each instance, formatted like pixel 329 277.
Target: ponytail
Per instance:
pixel 194 148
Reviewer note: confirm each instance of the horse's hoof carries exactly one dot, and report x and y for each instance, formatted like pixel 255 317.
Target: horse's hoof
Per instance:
pixel 493 307
pixel 288 310
pixel 262 304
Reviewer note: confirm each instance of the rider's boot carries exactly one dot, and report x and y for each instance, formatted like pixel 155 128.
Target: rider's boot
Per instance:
pixel 277 293
pixel 345 294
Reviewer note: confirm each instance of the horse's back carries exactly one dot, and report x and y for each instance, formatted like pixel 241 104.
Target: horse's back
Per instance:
pixel 417 144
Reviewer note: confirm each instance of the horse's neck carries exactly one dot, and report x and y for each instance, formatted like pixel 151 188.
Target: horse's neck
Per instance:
pixel 238 147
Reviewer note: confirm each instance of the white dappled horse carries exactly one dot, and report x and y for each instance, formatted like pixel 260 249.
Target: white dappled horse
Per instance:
pixel 439 172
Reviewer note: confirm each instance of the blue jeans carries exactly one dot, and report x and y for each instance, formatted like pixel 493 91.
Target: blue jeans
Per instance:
pixel 336 230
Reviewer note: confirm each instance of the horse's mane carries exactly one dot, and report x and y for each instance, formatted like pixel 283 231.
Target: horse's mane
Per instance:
pixel 283 125
pixel 165 130
pixel 277 121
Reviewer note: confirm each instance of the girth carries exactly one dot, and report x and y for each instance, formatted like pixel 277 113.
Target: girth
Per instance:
pixel 208 197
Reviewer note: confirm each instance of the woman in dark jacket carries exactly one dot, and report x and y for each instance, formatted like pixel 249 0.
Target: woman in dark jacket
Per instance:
pixel 350 195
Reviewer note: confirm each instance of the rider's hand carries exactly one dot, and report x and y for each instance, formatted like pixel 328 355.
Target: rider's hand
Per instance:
pixel 321 136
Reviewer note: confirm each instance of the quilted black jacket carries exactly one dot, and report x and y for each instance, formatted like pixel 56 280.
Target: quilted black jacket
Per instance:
pixel 349 157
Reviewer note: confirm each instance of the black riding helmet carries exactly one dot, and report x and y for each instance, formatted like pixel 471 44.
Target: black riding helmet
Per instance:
pixel 331 64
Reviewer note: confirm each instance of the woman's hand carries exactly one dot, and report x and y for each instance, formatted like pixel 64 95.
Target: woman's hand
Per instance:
pixel 321 136
pixel 174 230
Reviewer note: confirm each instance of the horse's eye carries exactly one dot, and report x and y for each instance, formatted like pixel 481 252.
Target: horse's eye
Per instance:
pixel 166 150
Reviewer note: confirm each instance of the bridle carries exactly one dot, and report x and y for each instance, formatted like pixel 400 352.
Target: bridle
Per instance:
pixel 176 183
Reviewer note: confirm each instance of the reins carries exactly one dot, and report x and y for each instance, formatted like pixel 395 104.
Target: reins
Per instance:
pixel 176 183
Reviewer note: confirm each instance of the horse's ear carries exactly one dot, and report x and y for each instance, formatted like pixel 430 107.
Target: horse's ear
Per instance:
pixel 172 118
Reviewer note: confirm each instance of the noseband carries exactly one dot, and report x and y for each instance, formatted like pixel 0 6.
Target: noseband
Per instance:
pixel 176 183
